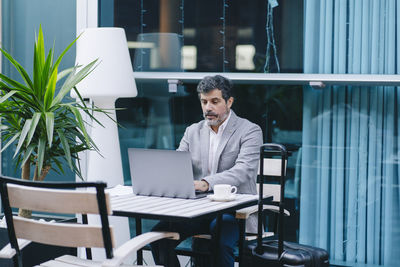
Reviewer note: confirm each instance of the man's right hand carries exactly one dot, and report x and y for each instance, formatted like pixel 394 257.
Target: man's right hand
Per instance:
pixel 201 185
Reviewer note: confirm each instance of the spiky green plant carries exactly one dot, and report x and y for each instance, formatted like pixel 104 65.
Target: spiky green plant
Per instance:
pixel 40 118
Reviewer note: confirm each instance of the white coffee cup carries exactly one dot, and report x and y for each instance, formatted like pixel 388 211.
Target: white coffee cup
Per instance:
pixel 224 190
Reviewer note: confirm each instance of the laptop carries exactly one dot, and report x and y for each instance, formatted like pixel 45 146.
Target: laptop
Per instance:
pixel 166 173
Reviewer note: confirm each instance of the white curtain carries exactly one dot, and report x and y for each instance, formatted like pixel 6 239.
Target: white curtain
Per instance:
pixel 350 190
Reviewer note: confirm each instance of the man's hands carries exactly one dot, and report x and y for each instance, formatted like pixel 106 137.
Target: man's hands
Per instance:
pixel 201 185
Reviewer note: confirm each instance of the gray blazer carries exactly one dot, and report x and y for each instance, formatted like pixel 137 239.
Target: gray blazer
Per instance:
pixel 237 156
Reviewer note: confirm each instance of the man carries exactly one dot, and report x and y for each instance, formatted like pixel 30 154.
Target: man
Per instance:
pixel 225 150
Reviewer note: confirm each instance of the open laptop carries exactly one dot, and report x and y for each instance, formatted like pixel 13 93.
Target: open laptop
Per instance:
pixel 166 173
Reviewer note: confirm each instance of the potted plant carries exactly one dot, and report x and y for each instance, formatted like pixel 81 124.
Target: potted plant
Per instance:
pixel 40 118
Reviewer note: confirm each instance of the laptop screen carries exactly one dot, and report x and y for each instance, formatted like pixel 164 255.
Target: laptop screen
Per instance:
pixel 157 172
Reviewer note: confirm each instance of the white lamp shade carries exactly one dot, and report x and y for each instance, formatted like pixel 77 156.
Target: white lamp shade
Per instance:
pixel 113 77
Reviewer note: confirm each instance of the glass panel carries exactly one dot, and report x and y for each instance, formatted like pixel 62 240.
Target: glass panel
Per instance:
pixel 226 36
pixel 21 20
pixel 158 52
pixel 344 157
pixel 158 120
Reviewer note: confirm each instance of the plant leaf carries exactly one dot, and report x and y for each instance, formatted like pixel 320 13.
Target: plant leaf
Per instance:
pixel 78 116
pixel 64 88
pixel 21 94
pixel 3 127
pixel 40 154
pixel 40 49
pixel 45 72
pixel 24 133
pixel 33 103
pixel 27 153
pixel 64 73
pixel 7 96
pixel 65 51
pixel 50 90
pixel 50 126
pixel 59 166
pixel 73 80
pixel 38 61
pixel 37 77
pixel 65 147
pixel 14 83
pixel 35 120
pixel 19 68
pixel 10 142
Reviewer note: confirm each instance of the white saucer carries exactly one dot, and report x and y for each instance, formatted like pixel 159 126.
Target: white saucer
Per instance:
pixel 224 199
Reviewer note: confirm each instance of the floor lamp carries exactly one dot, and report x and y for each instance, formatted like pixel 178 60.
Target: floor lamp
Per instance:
pixel 111 79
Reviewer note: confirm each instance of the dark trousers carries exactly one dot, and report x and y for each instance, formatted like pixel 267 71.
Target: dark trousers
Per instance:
pixel 163 250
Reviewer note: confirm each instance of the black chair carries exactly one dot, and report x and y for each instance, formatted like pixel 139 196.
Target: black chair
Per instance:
pixel 271 186
pixel 65 199
pixel 271 183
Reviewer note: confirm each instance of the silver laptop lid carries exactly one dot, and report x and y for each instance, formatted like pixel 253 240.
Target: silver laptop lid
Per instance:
pixel 156 172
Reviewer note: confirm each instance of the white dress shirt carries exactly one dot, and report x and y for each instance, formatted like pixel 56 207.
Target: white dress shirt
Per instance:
pixel 215 138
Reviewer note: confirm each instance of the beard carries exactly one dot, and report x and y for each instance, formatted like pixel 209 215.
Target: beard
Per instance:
pixel 218 120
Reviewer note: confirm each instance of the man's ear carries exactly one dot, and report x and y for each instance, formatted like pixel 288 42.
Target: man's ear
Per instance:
pixel 230 102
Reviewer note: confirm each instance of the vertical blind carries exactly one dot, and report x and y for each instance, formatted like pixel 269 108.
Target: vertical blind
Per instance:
pixel 350 189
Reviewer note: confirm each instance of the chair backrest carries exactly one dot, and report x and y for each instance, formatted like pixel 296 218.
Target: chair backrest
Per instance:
pixel 61 198
pixel 268 152
pixel 272 167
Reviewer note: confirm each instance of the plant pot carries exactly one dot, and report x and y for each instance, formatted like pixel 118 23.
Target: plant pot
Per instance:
pixel 35 253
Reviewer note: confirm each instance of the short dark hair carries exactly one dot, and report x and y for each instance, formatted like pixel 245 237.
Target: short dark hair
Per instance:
pixel 219 82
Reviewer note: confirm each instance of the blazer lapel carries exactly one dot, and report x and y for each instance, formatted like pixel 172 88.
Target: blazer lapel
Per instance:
pixel 205 146
pixel 229 130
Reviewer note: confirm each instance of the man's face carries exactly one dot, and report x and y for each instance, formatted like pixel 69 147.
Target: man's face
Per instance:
pixel 215 108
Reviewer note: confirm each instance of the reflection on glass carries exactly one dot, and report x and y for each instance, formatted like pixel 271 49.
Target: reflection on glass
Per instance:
pixel 158 52
pixel 158 119
pixel 216 30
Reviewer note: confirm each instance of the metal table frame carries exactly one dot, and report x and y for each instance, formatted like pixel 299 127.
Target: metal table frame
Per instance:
pixel 129 206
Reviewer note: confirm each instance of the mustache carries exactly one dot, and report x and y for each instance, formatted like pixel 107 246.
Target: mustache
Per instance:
pixel 210 113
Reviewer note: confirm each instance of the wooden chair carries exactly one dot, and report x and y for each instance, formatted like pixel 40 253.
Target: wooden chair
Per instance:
pixel 64 198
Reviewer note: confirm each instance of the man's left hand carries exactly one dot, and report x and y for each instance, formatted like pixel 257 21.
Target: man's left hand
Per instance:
pixel 201 185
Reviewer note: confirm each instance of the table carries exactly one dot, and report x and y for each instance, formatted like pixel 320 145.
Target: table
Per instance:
pixel 176 209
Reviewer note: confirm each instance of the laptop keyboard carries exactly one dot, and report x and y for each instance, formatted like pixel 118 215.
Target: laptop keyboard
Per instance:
pixel 200 194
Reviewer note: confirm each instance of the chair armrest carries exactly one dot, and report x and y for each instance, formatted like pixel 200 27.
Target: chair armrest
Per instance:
pixel 250 236
pixel 202 236
pixel 134 244
pixel 246 212
pixel 7 252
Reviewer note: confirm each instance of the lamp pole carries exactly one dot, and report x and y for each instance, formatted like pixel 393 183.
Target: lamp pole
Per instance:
pixel 106 165
pixel 111 79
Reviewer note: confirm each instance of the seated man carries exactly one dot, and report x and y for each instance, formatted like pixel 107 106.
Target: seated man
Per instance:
pixel 225 150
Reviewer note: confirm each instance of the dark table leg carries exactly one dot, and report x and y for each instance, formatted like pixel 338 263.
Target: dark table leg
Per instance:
pixel 139 253
pixel 216 239
pixel 242 230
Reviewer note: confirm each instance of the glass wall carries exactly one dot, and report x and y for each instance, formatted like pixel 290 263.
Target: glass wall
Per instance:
pixel 343 183
pixel 226 36
pixel 211 36
pixel 20 22
pixel 158 119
